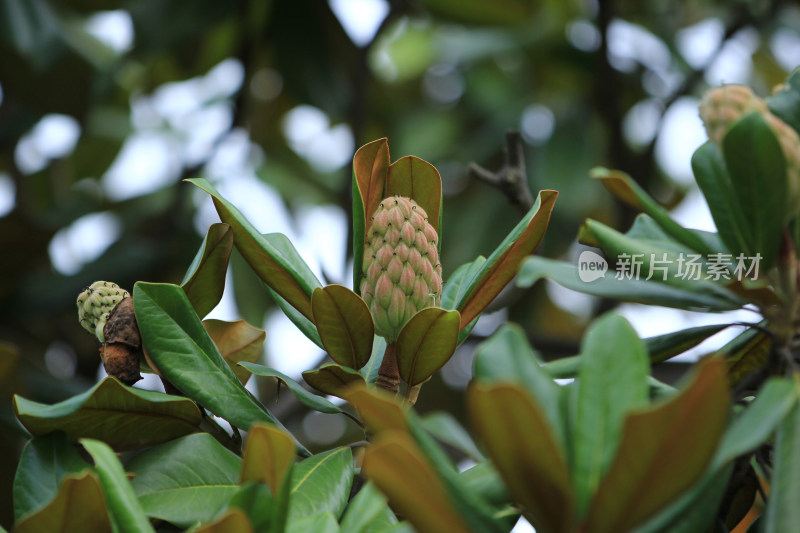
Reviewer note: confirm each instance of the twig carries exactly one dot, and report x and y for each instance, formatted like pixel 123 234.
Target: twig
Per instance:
pixel 511 179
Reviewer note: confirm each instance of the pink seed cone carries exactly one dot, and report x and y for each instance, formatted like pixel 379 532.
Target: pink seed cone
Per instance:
pixel 401 267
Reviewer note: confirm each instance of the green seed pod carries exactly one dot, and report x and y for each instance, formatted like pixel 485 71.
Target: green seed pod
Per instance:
pixel 95 304
pixel 401 266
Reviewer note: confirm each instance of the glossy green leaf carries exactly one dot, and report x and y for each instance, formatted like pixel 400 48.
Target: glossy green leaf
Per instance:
pixel 628 290
pixel 268 456
pixel 78 505
pixel 612 382
pixel 723 202
pixel 233 521
pixel 691 512
pixel 785 103
pixel 121 416
pixel 43 465
pixel 757 168
pixel 655 461
pixel 344 324
pixel 520 441
pixel 237 342
pixel 484 480
pixel 663 347
pixel 382 413
pixel 645 227
pixel 659 347
pixel 457 284
pixel 332 379
pixel 759 420
pixel 394 463
pixel 185 354
pixel 746 353
pixel 504 263
pixel 623 187
pixel 507 357
pixel 265 513
pixel 185 480
pixel 367 511
pixel 306 326
pixel 321 483
pixel 204 282
pixel 426 343
pixel 308 398
pixel 370 371
pixel 272 257
pixel 472 509
pixel 125 510
pixel 783 513
pixel 417 179
pixel 448 430
pixel 319 523
pixel 370 165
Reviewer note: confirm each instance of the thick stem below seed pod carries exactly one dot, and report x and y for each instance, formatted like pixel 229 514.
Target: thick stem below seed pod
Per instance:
pixel 389 373
pixel 123 347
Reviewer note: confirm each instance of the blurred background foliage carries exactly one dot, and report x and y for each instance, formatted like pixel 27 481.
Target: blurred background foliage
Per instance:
pixel 106 105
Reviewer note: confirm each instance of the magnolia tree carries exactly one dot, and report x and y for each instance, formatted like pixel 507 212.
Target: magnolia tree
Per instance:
pixel 614 450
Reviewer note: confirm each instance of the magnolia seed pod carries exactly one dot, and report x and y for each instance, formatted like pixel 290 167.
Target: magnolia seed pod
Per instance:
pixel 123 347
pixel 402 274
pixel 106 311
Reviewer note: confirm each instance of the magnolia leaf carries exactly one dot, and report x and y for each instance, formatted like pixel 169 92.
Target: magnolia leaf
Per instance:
pixel 394 463
pixel 321 483
pixel 332 379
pixel 426 343
pixel 370 165
pixel 185 355
pixel 655 460
pixel 127 515
pixel 78 505
pixel 783 513
pixel 268 456
pixel 506 260
pixel 344 324
pixel 521 443
pixel 45 462
pixel 757 168
pixel 186 480
pixel 121 416
pixel 204 281
pixel 233 521
pixel 785 101
pixel 237 342
pixel 318 523
pixel 272 257
pixel 367 511
pixel 306 397
pixel 377 409
pixel 448 430
pixel 507 357
pixel 417 179
pixel 723 202
pixel 612 382
pixel 623 187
